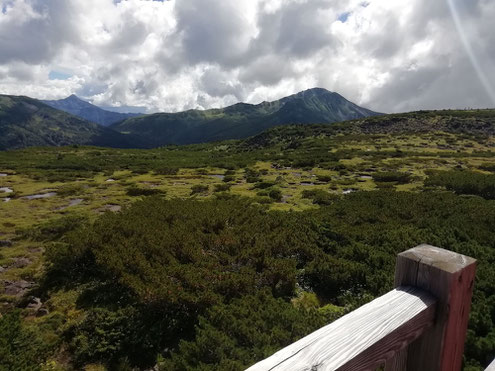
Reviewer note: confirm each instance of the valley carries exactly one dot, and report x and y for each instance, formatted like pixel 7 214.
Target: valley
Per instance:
pixel 353 193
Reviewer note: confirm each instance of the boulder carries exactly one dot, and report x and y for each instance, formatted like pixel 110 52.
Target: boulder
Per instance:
pixel 34 303
pixel 16 288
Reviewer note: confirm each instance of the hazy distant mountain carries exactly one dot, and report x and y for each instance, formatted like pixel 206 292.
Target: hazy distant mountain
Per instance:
pixel 137 110
pixel 28 122
pixel 88 111
pixel 242 120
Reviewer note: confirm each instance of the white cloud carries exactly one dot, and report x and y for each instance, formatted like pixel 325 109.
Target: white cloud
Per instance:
pixel 173 55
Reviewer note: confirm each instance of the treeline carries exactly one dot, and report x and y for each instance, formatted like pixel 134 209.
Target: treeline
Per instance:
pixel 221 284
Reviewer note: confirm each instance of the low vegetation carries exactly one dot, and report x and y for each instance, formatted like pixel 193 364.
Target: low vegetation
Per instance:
pixel 213 256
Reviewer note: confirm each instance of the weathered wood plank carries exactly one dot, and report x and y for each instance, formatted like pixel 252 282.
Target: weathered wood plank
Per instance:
pixel 398 362
pixel 449 277
pixel 491 366
pixel 363 339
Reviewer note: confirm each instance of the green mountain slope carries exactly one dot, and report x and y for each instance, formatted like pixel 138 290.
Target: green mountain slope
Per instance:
pixel 478 123
pixel 26 122
pixel 242 120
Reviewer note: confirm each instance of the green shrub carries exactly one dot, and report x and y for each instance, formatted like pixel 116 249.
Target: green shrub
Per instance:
pixel 324 178
pixel 275 194
pixel 199 188
pixel 391 177
pixel 172 260
pixel 54 229
pixel 264 185
pixel 222 187
pixel 137 191
pixel 114 337
pixel 70 190
pixel 168 265
pixel 234 336
pixel 464 182
pixel 20 347
pixel 252 179
pixel 319 197
pixel 251 175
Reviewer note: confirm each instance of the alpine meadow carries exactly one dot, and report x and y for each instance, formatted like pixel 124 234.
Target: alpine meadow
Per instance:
pixel 176 194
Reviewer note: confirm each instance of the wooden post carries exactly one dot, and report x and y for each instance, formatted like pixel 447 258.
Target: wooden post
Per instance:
pixel 449 277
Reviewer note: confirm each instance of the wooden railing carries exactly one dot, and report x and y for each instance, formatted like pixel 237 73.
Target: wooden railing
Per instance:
pixel 420 325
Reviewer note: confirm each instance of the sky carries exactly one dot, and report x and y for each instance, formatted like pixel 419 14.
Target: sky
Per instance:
pixel 389 56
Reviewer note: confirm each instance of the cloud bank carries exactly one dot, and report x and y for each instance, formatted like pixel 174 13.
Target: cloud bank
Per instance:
pixel 390 56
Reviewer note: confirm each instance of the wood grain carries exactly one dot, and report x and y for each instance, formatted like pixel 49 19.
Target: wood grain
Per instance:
pixel 449 277
pixel 363 339
pixel 398 362
pixel 491 367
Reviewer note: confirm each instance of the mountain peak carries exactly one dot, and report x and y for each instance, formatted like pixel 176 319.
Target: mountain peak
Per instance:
pixel 312 93
pixel 317 90
pixel 73 97
pixel 79 107
pixel 241 120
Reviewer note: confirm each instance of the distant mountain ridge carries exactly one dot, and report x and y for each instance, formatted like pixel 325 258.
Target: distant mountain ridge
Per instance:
pixel 78 107
pixel 242 120
pixel 29 122
pixel 26 122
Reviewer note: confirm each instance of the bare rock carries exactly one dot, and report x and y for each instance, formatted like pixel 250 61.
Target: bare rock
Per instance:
pixel 34 303
pixel 20 262
pixel 16 288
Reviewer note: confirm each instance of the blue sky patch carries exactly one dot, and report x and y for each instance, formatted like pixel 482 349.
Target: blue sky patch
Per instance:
pixel 57 75
pixel 343 17
pixel 119 1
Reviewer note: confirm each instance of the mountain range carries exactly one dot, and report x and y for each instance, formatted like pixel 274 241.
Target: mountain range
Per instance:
pixel 28 122
pixel 242 120
pixel 88 111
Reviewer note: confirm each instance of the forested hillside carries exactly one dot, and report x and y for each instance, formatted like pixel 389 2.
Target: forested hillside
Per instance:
pixel 214 256
pixel 26 122
pixel 242 120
